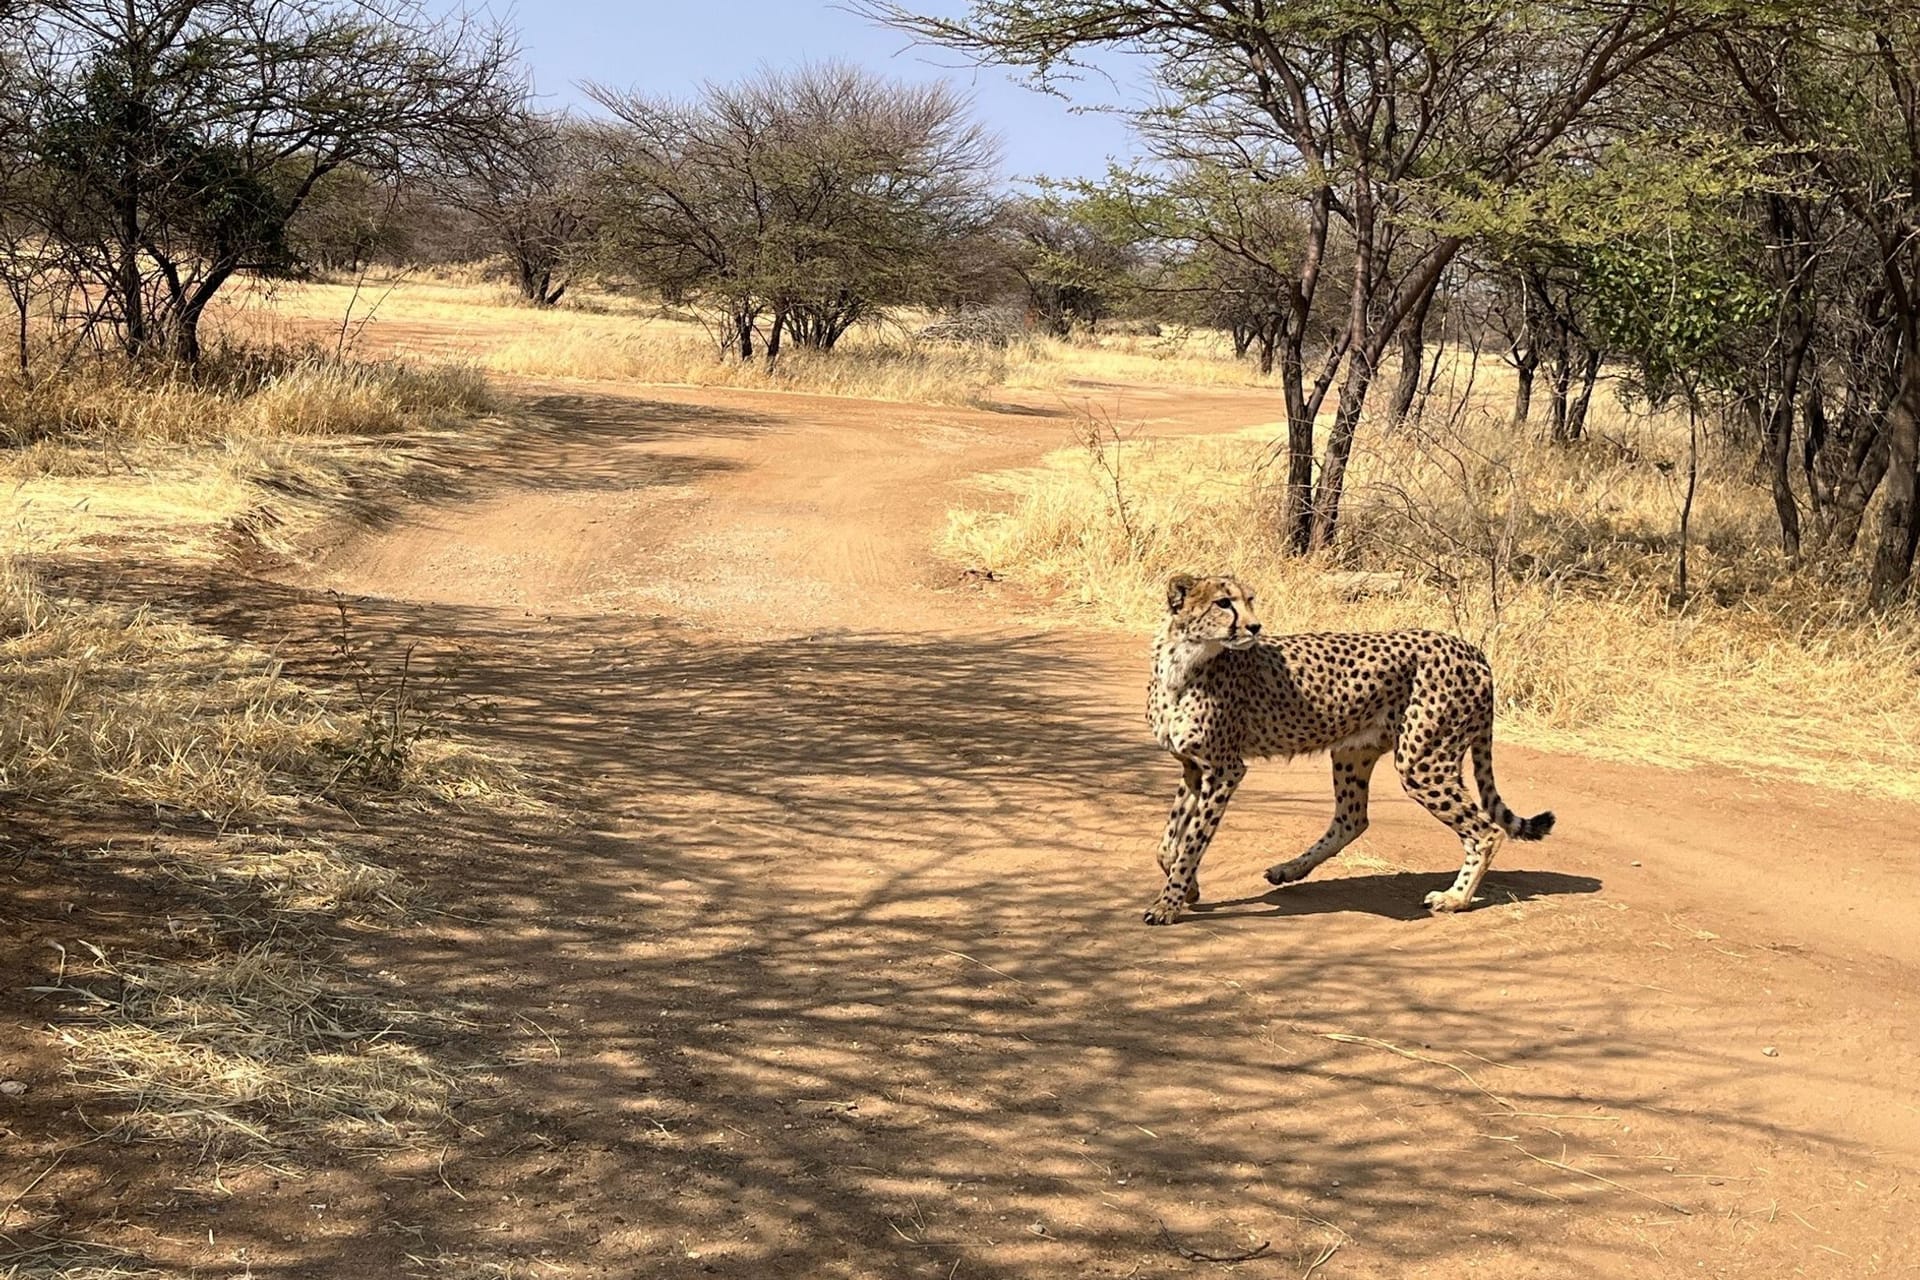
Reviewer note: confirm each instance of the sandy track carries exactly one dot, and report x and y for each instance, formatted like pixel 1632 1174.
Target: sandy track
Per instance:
pixel 840 973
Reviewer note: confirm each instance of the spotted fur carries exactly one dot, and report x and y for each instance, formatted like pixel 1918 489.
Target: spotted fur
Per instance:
pixel 1222 694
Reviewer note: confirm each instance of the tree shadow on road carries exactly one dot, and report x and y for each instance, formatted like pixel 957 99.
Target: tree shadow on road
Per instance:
pixel 837 972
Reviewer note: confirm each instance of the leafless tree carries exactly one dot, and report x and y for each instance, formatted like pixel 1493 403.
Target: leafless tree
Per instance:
pixel 535 191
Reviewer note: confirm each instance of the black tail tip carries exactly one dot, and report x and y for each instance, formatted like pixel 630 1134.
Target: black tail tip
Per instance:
pixel 1535 828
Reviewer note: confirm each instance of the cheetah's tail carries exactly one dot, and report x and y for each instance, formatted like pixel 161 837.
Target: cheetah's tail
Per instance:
pixel 1534 828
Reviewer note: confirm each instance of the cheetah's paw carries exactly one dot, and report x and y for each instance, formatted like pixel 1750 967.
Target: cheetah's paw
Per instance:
pixel 1291 871
pixel 1446 901
pixel 1164 911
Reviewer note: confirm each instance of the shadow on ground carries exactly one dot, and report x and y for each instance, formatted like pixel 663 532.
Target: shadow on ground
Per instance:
pixel 836 973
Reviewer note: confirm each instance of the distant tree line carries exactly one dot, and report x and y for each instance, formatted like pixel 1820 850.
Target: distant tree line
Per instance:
pixel 152 150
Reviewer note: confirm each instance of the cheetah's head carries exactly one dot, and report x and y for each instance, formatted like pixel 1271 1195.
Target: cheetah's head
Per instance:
pixel 1211 611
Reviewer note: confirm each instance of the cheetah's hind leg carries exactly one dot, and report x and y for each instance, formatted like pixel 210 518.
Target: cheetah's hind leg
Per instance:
pixel 1352 776
pixel 1433 779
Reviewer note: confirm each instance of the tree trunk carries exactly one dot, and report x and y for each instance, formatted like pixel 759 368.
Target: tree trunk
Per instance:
pixel 1297 513
pixel 1525 366
pixel 1813 441
pixel 1754 411
pixel 1560 387
pixel 193 306
pixel 1686 507
pixel 22 301
pixel 1780 453
pixel 1892 575
pixel 1577 410
pixel 773 338
pixel 1333 467
pixel 186 339
pixel 1413 347
pixel 133 314
pixel 1851 497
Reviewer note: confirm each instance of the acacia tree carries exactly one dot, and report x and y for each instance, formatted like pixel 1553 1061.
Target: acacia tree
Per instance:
pixel 534 190
pixel 349 219
pixel 1234 243
pixel 1401 124
pixel 175 140
pixel 1839 89
pixel 1075 265
pixel 796 204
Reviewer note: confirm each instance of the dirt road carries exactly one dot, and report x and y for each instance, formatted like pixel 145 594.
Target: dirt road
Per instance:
pixel 840 971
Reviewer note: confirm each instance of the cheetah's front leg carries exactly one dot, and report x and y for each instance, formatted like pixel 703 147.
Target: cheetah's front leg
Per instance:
pixel 1186 801
pixel 1210 802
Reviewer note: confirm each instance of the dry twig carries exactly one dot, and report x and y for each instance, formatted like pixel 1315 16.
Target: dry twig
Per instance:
pixel 1194 1255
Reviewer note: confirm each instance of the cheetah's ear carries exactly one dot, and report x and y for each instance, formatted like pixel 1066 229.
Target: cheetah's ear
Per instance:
pixel 1177 589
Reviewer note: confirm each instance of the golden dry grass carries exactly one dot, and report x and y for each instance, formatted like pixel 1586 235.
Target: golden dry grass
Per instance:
pixel 106 405
pixel 71 1260
pixel 255 1039
pixel 111 705
pixel 121 705
pixel 1558 560
pixel 266 446
pixel 622 338
pixel 243 1049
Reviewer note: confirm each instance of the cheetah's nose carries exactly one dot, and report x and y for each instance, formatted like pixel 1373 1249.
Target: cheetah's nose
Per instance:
pixel 1254 628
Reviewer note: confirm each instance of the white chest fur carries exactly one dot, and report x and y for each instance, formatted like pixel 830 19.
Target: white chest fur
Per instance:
pixel 1177 661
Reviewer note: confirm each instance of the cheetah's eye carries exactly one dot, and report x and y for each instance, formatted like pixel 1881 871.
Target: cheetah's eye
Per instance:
pixel 1223 604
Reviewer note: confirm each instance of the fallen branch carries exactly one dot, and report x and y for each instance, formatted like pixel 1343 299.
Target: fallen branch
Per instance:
pixel 1194 1255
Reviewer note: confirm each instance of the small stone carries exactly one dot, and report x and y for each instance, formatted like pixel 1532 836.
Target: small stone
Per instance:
pixel 1771 1052
pixel 12 1088
pixel 1633 864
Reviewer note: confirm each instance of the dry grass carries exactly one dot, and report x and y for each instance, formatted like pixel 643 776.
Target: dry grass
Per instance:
pixel 254 1040
pixel 618 337
pixel 264 446
pixel 107 405
pixel 243 1050
pixel 1559 561
pixel 70 1260
pixel 111 705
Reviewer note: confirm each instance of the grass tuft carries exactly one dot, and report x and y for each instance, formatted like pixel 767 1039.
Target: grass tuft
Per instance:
pixel 246 1049
pixel 112 705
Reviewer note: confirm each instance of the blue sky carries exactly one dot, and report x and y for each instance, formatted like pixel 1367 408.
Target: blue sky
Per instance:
pixel 671 46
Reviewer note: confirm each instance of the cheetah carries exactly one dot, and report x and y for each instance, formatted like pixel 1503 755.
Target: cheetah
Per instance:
pixel 1222 693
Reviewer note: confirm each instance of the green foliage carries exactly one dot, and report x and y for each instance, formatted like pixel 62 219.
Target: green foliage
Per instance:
pixel 1077 247
pixel 1656 237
